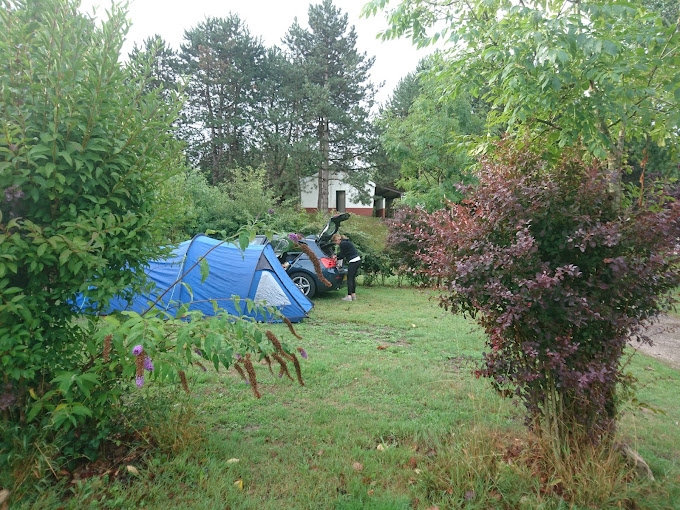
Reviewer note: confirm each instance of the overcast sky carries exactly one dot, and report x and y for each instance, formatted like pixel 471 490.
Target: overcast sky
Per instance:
pixel 270 20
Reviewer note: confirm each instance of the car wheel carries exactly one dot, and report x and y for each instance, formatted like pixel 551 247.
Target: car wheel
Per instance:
pixel 304 283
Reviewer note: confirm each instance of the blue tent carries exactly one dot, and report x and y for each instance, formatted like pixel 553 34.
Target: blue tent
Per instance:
pixel 255 273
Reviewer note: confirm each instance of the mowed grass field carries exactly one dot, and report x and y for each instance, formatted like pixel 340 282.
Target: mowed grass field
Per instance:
pixel 390 417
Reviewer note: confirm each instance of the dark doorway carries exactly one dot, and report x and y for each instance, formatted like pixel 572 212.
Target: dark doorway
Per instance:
pixel 340 201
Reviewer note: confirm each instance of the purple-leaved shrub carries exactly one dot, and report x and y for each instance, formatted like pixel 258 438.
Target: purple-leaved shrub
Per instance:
pixel 560 275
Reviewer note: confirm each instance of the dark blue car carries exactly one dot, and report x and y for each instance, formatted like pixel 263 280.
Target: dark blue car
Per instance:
pixel 300 267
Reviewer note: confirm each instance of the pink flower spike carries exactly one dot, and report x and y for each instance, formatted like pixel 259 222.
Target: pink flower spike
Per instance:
pixel 302 352
pixel 139 381
pixel 137 350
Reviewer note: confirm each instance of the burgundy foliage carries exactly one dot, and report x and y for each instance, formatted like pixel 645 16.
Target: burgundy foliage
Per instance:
pixel 406 228
pixel 559 274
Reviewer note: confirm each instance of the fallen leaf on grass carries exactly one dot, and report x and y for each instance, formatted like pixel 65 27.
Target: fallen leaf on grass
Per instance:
pixel 239 484
pixel 380 448
pixel 357 466
pixel 495 495
pixel 233 461
pixel 382 347
pixel 132 470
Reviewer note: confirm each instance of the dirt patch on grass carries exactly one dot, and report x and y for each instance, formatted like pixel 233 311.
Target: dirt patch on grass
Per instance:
pixel 462 362
pixel 665 336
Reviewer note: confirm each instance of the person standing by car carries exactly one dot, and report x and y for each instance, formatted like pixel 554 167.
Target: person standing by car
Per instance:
pixel 350 255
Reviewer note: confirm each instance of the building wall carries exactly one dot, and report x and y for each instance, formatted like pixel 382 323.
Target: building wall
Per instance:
pixel 309 197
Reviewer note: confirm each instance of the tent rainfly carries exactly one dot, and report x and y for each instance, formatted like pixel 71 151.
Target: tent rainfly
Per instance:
pixel 254 273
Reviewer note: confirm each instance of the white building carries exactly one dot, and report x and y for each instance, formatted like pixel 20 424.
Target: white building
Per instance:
pixel 343 197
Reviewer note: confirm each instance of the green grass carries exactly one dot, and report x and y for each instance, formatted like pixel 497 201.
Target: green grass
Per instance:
pixel 374 230
pixel 676 310
pixel 390 418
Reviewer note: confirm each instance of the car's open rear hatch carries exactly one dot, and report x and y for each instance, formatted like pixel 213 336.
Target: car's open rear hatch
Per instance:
pixel 332 227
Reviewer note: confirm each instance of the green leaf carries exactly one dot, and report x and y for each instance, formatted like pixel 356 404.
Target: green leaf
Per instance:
pixel 66 156
pixel 79 409
pixel 64 256
pixel 205 269
pixel 243 240
pixel 35 408
pixel 556 83
pixel 48 169
pixel 64 381
pixel 86 382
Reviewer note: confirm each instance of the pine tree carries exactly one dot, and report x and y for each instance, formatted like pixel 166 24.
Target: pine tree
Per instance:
pixel 223 62
pixel 338 93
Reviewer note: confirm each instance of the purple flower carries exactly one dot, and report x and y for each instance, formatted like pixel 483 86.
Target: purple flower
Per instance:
pixel 137 350
pixel 139 381
pixel 295 237
pixel 302 352
pixel 148 364
pixel 271 211
pixel 13 193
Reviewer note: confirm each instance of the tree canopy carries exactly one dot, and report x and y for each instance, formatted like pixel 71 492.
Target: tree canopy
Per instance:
pixel 596 73
pixel 294 110
pixel 422 131
pixel 338 93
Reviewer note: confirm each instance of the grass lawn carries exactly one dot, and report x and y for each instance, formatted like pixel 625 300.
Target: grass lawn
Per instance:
pixel 390 418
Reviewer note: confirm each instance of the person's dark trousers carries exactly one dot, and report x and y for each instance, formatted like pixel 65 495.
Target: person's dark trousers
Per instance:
pixel 352 270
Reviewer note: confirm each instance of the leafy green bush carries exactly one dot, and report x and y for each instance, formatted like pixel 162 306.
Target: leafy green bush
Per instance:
pixel 224 208
pixel 227 208
pixel 375 264
pixel 289 217
pixel 84 153
pixel 85 158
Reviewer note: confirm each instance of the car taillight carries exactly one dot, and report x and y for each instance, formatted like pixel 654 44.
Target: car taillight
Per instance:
pixel 327 262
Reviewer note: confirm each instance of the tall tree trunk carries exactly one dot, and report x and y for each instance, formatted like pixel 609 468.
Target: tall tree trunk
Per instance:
pixel 324 171
pixel 214 171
